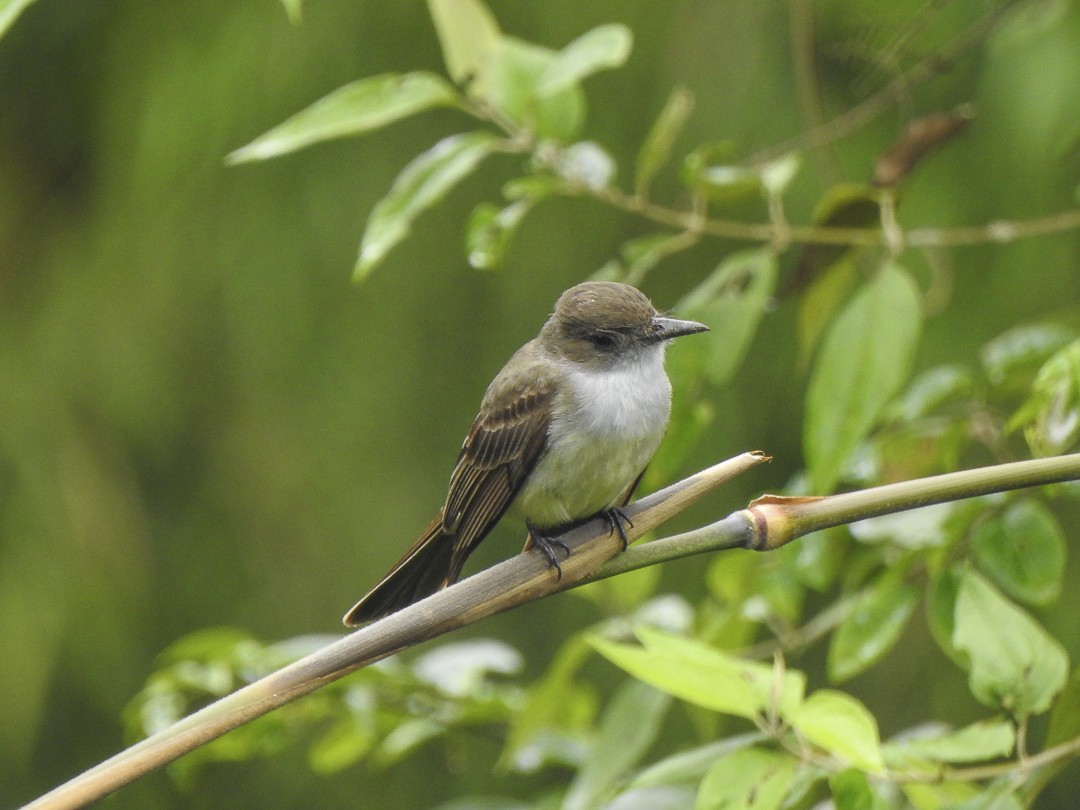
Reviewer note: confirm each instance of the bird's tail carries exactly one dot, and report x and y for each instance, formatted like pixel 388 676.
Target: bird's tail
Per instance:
pixel 426 567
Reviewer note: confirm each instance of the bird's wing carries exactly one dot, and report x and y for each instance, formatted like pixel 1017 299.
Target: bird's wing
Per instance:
pixel 502 448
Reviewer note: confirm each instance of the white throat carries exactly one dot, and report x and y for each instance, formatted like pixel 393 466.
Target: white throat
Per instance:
pixel 606 424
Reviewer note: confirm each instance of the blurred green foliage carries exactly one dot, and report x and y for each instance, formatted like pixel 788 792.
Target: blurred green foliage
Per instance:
pixel 204 423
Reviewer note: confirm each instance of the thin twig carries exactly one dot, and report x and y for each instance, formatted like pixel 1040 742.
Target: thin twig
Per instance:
pixel 896 90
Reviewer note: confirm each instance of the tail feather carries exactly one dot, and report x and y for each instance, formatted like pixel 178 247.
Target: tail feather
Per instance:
pixel 426 568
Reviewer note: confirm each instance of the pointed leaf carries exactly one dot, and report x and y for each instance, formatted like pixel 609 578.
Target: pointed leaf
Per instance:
pixel 847 205
pixel 841 725
pixel 777 175
pixel 711 170
pixel 294 8
pixel 975 743
pixel 873 627
pixel 731 302
pixel 830 287
pixel 656 148
pixel 692 765
pixel 863 363
pixel 710 682
pixel 996 797
pixel 559 711
pixel 1065 718
pixel 586 164
pixel 941 595
pixel 851 791
pixel 702 675
pixel 627 730
pixel 1051 416
pixel 747 780
pixel 421 184
pixel 9 12
pixel 1023 551
pixel 1011 357
pixel 781 690
pixel 358 107
pixel 602 48
pixel 930 391
pixel 513 77
pixel 489 232
pixel 1014 663
pixel 468 34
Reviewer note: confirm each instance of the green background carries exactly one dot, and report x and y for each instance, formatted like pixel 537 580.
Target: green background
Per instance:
pixel 203 421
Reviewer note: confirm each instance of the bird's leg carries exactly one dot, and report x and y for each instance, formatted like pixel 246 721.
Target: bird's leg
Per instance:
pixel 547 546
pixel 618 521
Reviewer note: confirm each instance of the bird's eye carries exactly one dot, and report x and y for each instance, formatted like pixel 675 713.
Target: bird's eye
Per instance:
pixel 602 340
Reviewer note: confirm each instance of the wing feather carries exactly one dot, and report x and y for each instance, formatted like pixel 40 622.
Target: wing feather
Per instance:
pixel 501 449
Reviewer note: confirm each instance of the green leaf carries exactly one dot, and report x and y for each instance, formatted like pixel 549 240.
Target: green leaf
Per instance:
pixel 628 728
pixel 777 175
pixel 656 147
pixel 996 797
pixel 693 671
pixel 10 11
pixel 406 738
pixel 294 8
pixel 489 231
pixel 690 418
pixel 752 779
pixel 515 70
pixel 841 725
pixel 585 164
pixel 1023 551
pixel 781 691
pixel 929 392
pixel 941 611
pixel 421 184
pixel 946 795
pixel 919 528
pixel 873 627
pixel 693 764
pixel 710 170
pixel 731 302
pixel 344 744
pixel 827 292
pixel 602 48
pixel 558 712
pixel 851 791
pixel 1065 718
pixel 821 557
pixel 358 107
pixel 863 363
pixel 846 205
pixel 462 669
pixel 1013 356
pixel 468 35
pixel 1014 663
pixel 1051 416
pixel 710 681
pixel 978 742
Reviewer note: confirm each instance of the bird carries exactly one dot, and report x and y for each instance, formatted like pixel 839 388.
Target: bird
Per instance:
pixel 564 433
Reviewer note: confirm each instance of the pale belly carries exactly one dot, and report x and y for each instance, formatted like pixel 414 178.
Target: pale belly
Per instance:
pixel 600 440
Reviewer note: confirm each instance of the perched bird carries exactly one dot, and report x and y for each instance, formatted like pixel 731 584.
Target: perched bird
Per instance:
pixel 563 435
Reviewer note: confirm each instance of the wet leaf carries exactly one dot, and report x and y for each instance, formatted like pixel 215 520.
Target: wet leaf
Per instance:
pixel 358 107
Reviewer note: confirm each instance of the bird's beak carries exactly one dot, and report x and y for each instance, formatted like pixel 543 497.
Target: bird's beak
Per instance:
pixel 668 328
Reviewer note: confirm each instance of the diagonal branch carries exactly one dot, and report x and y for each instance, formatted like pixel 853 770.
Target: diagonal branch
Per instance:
pixel 521 579
pixel 767 523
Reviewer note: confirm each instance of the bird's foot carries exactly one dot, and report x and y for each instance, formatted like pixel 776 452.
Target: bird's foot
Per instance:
pixel 547 546
pixel 618 522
